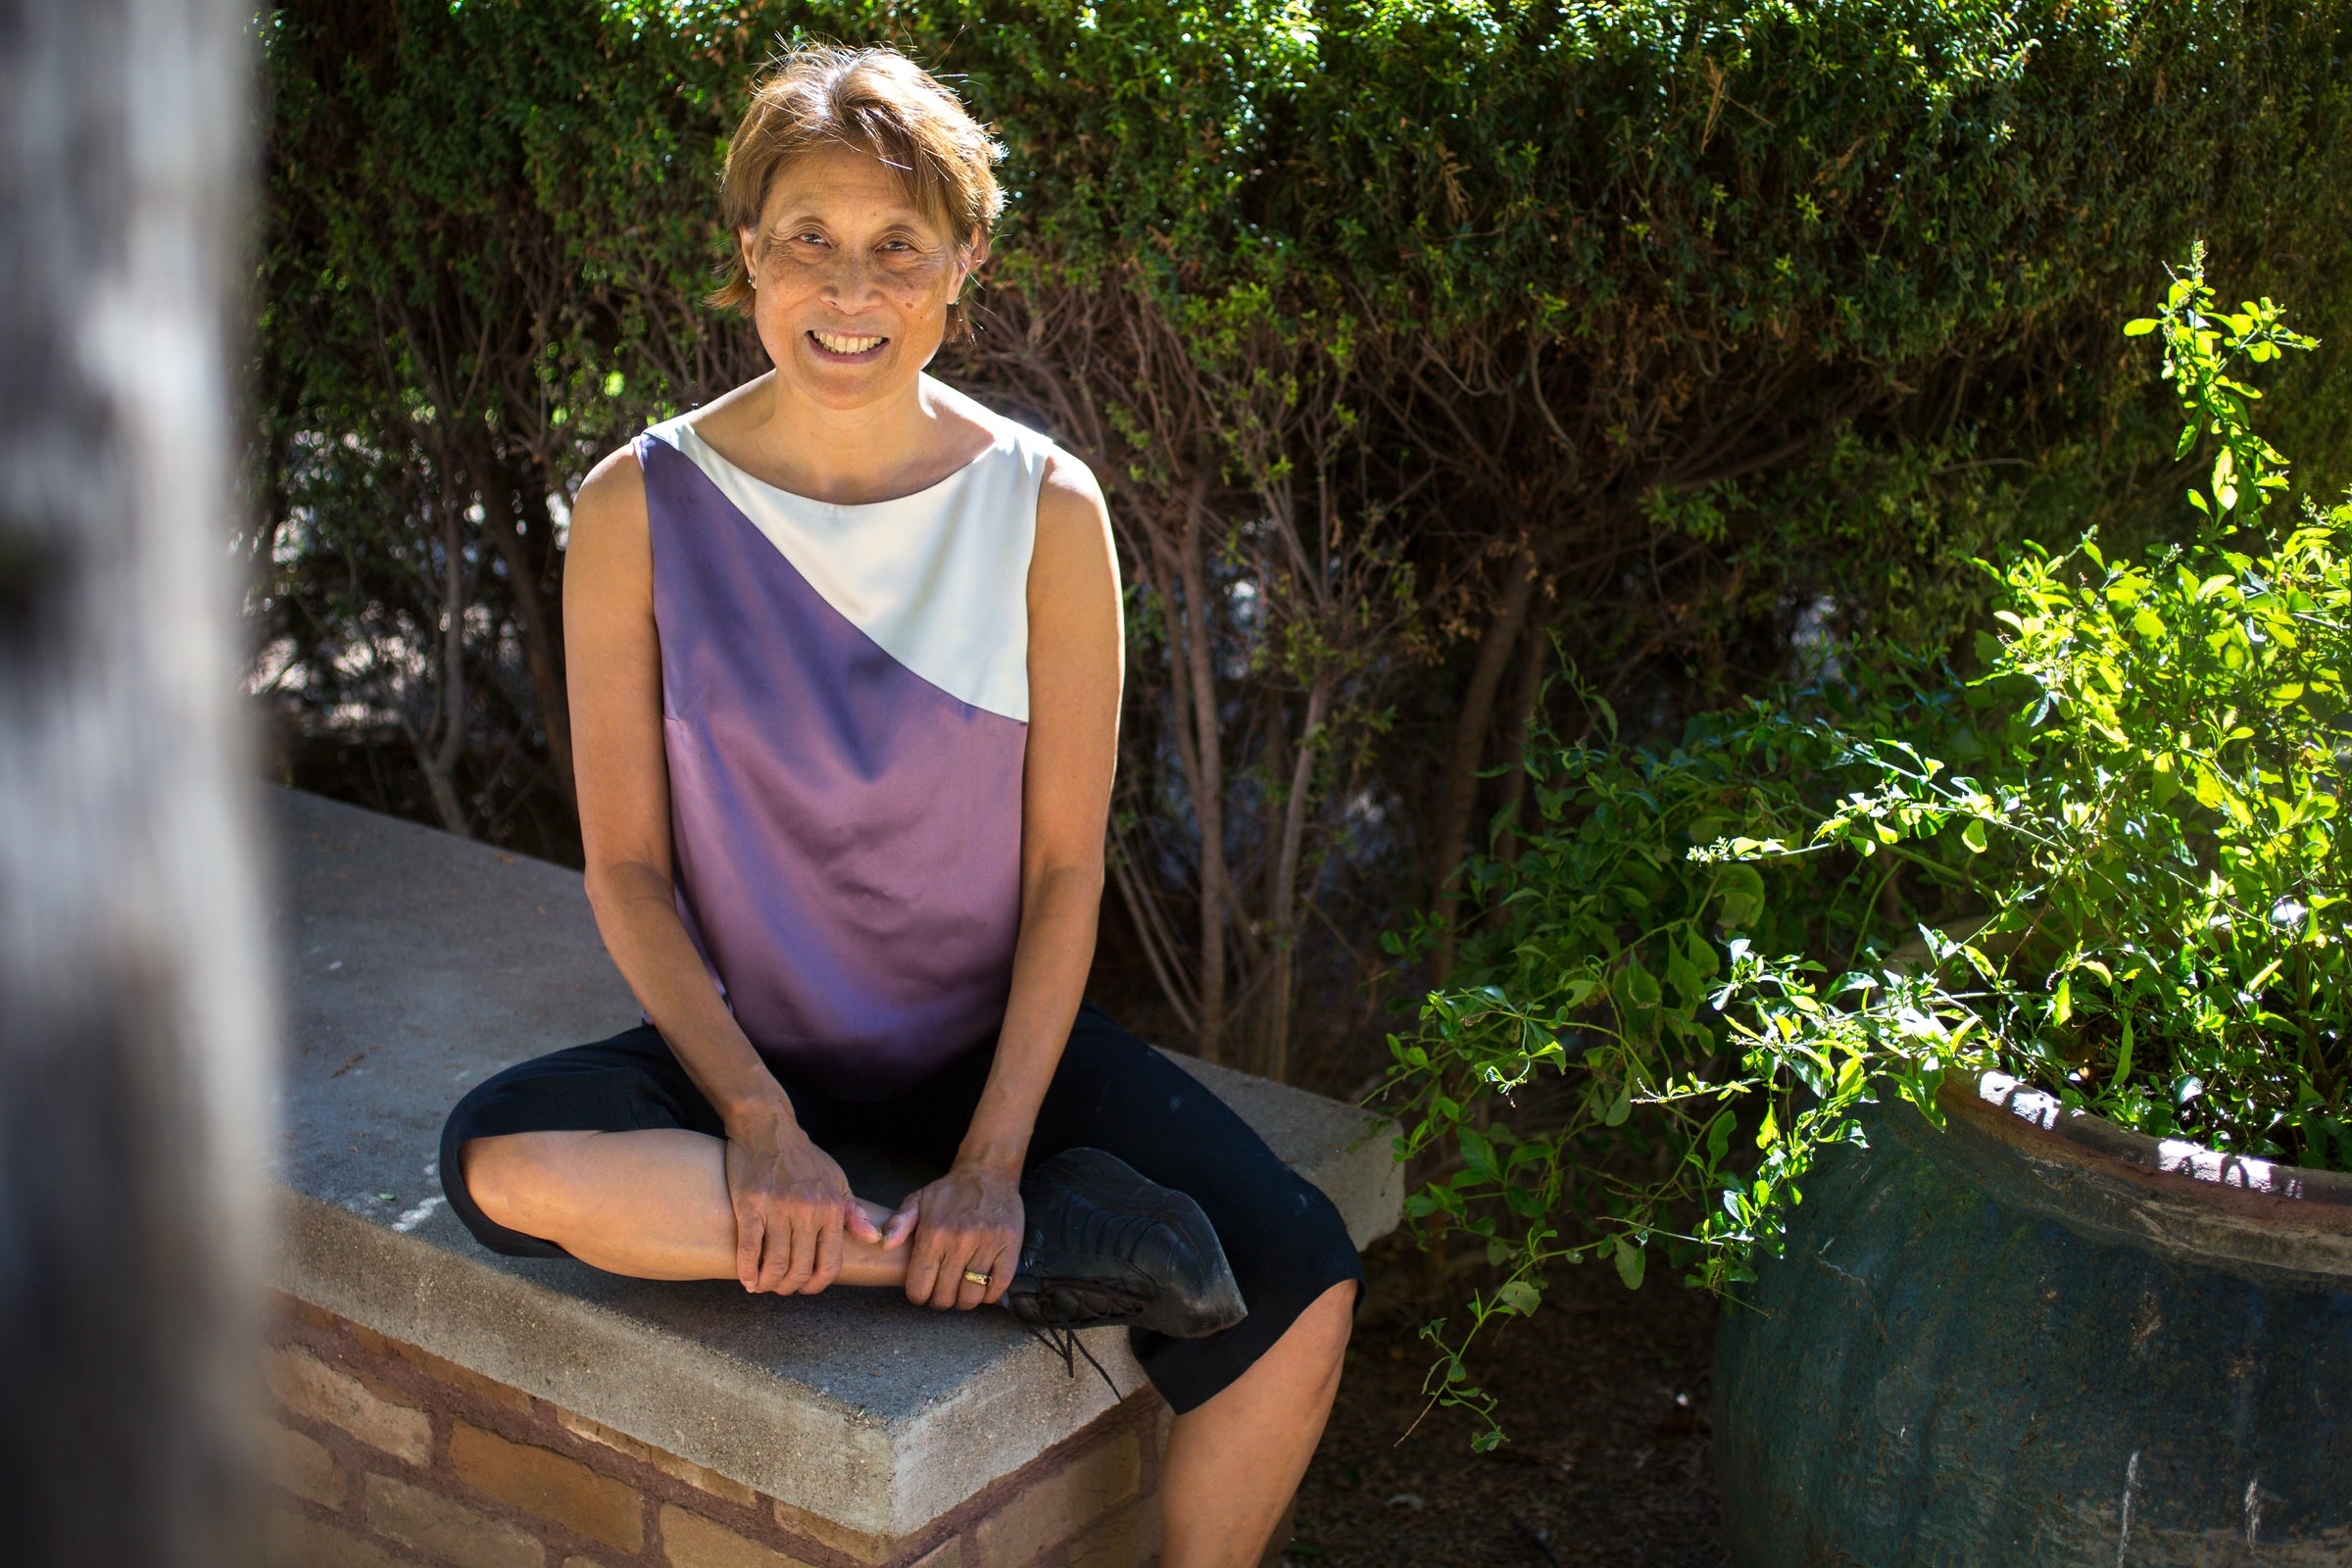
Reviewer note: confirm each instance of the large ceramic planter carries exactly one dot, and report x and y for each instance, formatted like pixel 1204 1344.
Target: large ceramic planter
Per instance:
pixel 2036 1339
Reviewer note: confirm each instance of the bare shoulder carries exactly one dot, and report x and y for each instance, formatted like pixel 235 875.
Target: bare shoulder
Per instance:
pixel 1073 522
pixel 611 497
pixel 608 525
pixel 1074 592
pixel 608 553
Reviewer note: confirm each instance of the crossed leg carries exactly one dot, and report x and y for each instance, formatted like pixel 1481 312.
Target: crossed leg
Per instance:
pixel 654 1205
pixel 651 1205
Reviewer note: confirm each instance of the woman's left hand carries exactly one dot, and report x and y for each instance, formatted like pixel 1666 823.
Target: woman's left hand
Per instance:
pixel 969 1220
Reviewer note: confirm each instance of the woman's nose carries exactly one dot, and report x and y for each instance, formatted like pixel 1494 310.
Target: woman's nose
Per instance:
pixel 850 280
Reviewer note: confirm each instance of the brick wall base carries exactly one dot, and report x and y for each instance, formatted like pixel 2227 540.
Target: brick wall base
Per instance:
pixel 388 1456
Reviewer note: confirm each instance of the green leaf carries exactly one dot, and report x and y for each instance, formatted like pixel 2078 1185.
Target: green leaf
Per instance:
pixel 1973 836
pixel 1631 1261
pixel 1641 986
pixel 1719 1137
pixel 1517 1296
pixel 1686 981
pixel 1740 897
pixel 2139 327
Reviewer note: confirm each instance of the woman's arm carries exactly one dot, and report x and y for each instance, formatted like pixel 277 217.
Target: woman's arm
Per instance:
pixel 971 1218
pixel 791 1199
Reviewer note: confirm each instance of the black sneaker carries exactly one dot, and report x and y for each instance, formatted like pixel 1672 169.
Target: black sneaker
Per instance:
pixel 1103 1245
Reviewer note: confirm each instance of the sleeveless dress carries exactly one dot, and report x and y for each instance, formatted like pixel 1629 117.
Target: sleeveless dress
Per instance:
pixel 845 710
pixel 844 704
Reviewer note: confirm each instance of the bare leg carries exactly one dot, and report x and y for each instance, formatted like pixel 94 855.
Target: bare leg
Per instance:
pixel 1234 1463
pixel 651 1205
pixel 654 1205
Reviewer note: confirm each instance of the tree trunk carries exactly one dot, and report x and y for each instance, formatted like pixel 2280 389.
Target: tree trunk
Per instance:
pixel 134 994
pixel 1208 792
pixel 441 745
pixel 1535 663
pixel 537 608
pixel 1289 910
pixel 1460 796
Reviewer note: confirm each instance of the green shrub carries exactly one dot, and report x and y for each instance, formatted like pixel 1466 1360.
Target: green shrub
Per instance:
pixel 1581 1083
pixel 1404 335
pixel 2153 837
pixel 2107 864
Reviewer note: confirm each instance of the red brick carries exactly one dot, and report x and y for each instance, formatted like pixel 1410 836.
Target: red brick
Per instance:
pixel 1057 1506
pixel 1162 1420
pixel 292 1541
pixel 304 1467
pixel 669 1464
pixel 542 1482
pixel 446 1530
pixel 1127 1539
pixel 465 1378
pixel 309 1387
pixel 690 1541
pixel 848 1542
pixel 302 1311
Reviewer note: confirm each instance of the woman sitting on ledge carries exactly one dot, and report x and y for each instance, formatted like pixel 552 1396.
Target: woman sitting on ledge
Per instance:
pixel 844 652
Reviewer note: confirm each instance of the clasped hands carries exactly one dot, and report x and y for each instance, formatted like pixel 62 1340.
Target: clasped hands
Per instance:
pixel 795 1215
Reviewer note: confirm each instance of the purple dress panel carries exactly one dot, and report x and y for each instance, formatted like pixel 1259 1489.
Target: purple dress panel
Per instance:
pixel 847 833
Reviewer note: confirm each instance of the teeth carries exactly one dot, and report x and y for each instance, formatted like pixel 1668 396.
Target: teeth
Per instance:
pixel 838 343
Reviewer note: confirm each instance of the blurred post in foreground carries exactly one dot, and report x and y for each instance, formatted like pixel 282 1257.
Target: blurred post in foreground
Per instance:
pixel 134 1009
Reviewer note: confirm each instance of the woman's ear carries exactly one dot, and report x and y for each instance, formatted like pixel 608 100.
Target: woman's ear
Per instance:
pixel 974 255
pixel 747 244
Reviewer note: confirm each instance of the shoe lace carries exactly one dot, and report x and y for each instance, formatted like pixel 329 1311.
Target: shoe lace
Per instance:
pixel 1065 1343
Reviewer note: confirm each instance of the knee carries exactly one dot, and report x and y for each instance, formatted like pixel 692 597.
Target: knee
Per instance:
pixel 508 1180
pixel 1326 1326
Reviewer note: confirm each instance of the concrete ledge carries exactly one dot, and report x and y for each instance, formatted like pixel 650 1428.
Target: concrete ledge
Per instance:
pixel 419 963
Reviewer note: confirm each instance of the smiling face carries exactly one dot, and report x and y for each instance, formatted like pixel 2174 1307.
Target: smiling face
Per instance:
pixel 852 279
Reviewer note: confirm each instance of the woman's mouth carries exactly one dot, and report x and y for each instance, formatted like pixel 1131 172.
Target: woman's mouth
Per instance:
pixel 847 345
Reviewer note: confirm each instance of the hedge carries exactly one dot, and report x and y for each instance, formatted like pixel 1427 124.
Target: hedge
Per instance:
pixel 1404 336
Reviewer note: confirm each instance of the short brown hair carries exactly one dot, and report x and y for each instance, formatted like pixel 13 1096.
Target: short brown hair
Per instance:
pixel 873 101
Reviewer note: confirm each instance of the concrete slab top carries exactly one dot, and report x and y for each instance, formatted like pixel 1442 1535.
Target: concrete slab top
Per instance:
pixel 418 963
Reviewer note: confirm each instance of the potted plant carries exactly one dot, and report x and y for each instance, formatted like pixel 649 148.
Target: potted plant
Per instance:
pixel 2031 987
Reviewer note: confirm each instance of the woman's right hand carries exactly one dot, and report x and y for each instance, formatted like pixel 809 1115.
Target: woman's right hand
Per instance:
pixel 792 1204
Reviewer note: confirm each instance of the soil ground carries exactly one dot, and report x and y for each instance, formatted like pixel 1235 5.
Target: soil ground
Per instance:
pixel 1604 1393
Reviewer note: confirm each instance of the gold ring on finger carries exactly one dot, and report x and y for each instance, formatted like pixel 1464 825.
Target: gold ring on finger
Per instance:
pixel 975 1276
